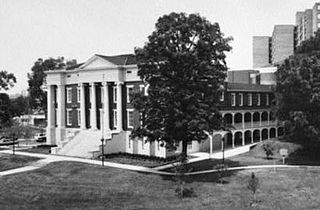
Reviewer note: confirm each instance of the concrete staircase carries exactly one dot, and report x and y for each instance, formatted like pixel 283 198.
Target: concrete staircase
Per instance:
pixel 84 144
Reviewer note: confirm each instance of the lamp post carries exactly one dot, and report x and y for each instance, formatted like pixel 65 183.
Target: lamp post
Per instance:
pixel 102 151
pixel 13 144
pixel 222 140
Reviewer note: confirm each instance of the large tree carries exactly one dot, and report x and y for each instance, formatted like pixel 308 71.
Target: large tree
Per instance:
pixel 38 97
pixel 183 64
pixel 298 91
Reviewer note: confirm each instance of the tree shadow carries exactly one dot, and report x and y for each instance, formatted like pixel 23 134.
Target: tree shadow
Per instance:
pixel 308 154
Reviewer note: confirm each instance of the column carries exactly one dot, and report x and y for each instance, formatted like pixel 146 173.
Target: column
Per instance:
pixel 252 136
pixel 211 145
pixel 232 122
pixel 51 116
pixel 119 105
pixel 268 118
pixel 260 118
pixel 106 114
pixel 61 121
pixel 82 107
pixel 93 110
pixel 242 120
pixel 252 119
pixel 232 138
pixel 243 138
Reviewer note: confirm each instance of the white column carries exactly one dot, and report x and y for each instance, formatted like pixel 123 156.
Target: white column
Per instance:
pixel 268 118
pixel 93 110
pixel 119 106
pixel 51 116
pixel 252 136
pixel 242 120
pixel 106 114
pixel 252 119
pixel 232 122
pixel 243 138
pixel 232 138
pixel 82 107
pixel 61 121
pixel 260 118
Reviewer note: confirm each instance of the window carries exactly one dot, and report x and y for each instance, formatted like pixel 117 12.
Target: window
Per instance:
pixel 78 94
pixel 241 99
pixel 259 99
pixel 318 25
pixel 69 116
pixel 250 99
pixel 318 16
pixel 115 121
pixel 114 94
pixel 146 90
pixel 267 99
pixel 142 89
pixel 222 96
pixel 129 92
pixel 130 119
pixel 79 116
pixel 318 7
pixel 69 95
pixel 140 118
pixel 233 99
pixel 129 143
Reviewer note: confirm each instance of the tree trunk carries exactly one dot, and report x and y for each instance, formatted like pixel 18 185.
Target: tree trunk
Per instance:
pixel 184 148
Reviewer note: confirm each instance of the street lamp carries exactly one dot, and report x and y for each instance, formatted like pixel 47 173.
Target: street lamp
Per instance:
pixel 13 144
pixel 102 151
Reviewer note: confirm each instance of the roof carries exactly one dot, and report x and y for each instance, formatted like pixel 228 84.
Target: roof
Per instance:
pixel 249 87
pixel 125 59
pixel 74 66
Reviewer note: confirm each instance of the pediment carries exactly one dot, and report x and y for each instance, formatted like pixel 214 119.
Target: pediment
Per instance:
pixel 97 62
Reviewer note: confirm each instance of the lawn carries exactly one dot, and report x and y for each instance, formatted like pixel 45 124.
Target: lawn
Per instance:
pixel 8 161
pixel 69 185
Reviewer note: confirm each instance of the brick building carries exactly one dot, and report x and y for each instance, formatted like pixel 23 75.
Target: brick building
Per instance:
pixel 91 101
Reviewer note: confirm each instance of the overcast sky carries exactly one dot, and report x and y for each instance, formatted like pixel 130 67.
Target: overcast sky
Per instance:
pixel 32 29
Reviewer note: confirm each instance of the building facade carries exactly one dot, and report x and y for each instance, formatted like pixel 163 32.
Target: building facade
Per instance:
pixel 272 50
pixel 91 101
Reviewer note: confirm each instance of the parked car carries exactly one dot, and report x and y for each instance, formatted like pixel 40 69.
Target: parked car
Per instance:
pixel 41 137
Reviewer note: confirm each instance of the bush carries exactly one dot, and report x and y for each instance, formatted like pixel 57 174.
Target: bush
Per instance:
pixel 268 149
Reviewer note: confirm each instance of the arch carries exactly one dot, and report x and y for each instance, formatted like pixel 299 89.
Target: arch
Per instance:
pixel 228 118
pixel 256 135
pixel 264 134
pixel 247 137
pixel 272 133
pixel 238 118
pixel 264 116
pixel 228 140
pixel 280 131
pixel 247 117
pixel 256 117
pixel 238 139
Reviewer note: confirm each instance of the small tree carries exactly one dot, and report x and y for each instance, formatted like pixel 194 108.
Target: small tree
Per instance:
pixel 268 149
pixel 253 186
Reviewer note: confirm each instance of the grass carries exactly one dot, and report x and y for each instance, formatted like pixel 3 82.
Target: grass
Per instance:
pixel 69 185
pixel 8 161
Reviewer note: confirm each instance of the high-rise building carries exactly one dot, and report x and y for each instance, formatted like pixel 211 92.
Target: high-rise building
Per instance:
pixel 282 44
pixel 268 51
pixel 261 51
pixel 308 22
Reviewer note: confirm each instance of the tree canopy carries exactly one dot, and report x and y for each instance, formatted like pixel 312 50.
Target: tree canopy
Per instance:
pixel 298 91
pixel 5 112
pixel 183 65
pixel 7 80
pixel 36 80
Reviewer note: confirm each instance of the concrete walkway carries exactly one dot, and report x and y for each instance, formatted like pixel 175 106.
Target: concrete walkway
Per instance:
pixel 46 159
pixel 55 158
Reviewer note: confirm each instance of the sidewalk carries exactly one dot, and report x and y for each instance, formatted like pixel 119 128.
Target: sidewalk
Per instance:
pixel 55 158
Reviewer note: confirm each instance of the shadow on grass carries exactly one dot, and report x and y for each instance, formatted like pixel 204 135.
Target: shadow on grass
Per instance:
pixel 209 164
pixel 308 154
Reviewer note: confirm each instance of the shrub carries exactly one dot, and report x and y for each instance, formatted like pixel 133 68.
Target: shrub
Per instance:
pixel 268 149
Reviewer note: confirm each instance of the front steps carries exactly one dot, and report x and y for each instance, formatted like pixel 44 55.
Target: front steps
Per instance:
pixel 85 144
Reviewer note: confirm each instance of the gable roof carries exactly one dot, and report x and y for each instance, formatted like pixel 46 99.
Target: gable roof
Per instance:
pixel 120 60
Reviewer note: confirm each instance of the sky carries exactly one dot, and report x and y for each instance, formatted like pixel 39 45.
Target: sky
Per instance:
pixel 78 29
